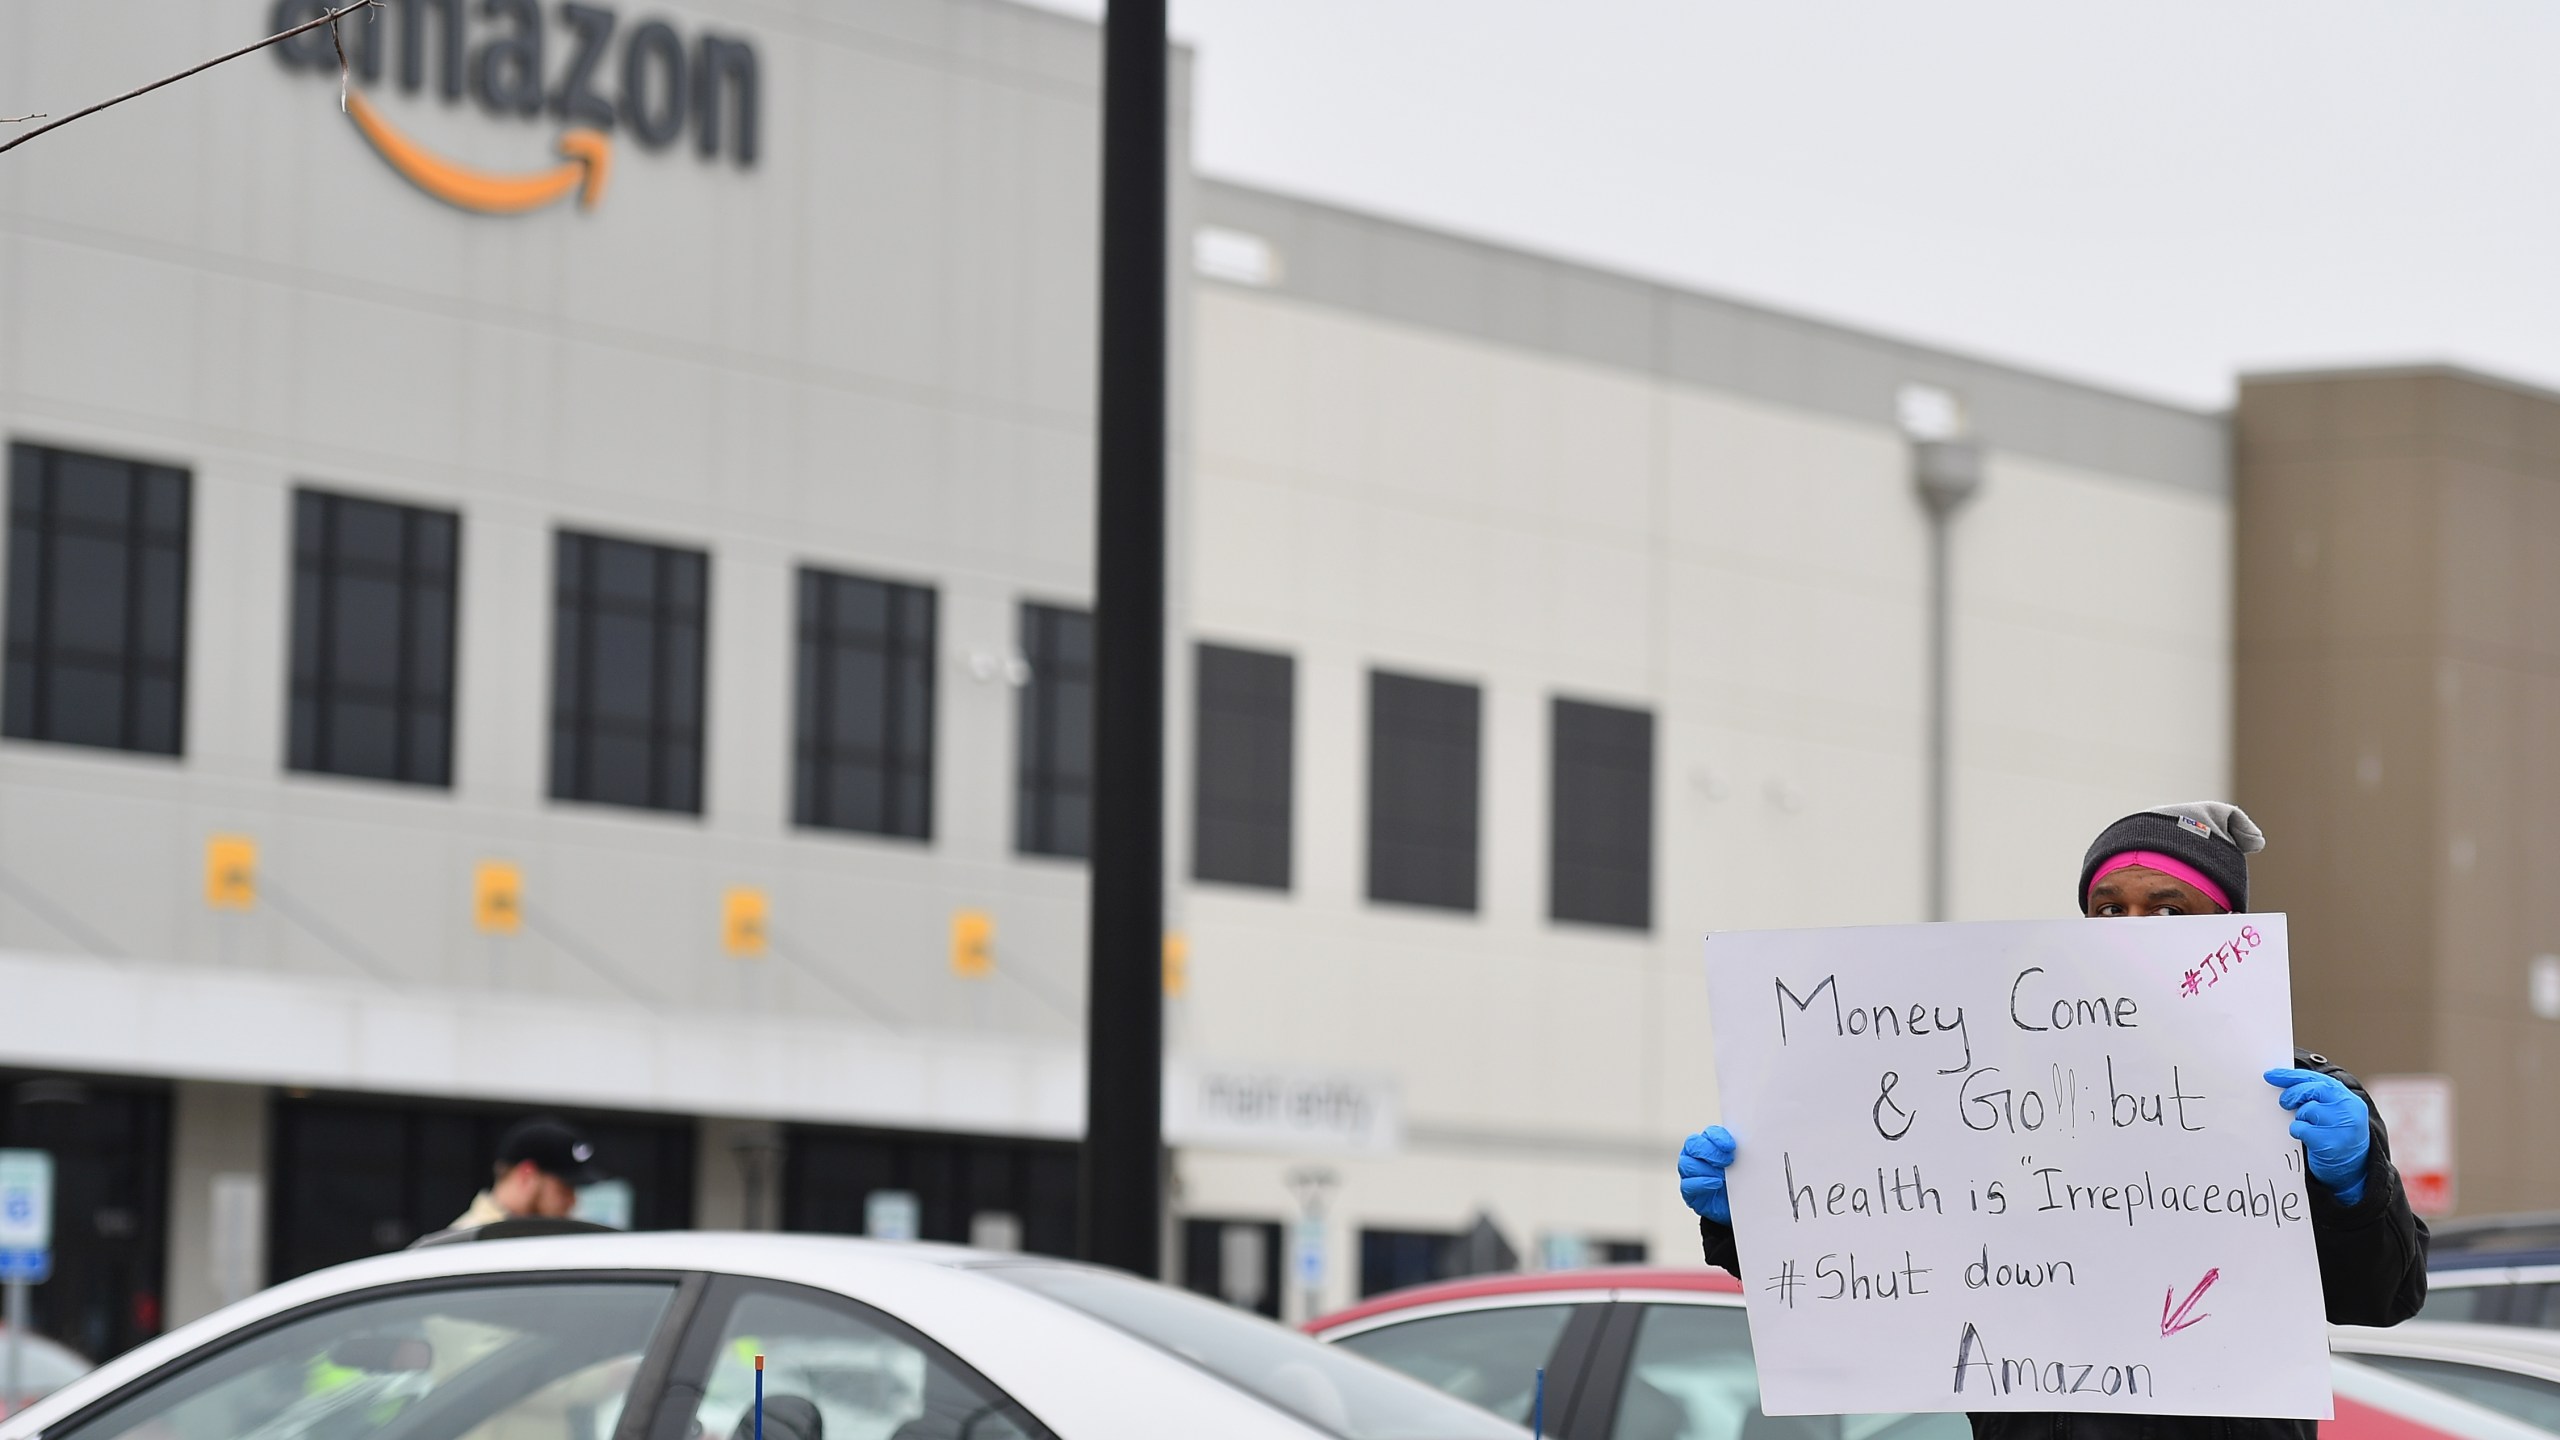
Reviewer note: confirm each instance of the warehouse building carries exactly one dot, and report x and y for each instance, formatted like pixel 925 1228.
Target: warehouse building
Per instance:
pixel 2398 680
pixel 565 587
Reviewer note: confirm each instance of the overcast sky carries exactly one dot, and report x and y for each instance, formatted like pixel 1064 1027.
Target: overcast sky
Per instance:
pixel 2150 194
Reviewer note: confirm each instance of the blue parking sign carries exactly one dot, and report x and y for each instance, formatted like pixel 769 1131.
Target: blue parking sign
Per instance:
pixel 26 1216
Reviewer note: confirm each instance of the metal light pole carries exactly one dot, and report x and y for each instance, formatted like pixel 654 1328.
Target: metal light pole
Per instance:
pixel 11 1373
pixel 1121 1195
pixel 1947 471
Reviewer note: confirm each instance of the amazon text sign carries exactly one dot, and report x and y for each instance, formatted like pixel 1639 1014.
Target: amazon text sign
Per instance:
pixel 2019 1166
pixel 588 74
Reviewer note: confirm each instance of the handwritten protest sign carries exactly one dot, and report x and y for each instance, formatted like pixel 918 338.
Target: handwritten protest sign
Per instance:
pixel 2026 1166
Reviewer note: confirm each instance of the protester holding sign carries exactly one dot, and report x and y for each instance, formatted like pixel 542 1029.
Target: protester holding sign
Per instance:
pixel 2371 1250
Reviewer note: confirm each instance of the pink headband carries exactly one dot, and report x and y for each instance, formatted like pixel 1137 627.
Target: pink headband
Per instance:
pixel 2168 865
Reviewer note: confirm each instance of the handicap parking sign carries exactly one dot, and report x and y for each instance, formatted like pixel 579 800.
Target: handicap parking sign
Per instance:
pixel 26 1215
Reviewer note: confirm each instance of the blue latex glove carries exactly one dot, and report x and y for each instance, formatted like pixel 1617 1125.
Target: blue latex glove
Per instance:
pixel 1702 1161
pixel 2335 1128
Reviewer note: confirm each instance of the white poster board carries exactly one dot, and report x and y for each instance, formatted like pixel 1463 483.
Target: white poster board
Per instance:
pixel 2019 1166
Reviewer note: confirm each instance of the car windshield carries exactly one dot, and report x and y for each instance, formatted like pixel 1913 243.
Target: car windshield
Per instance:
pixel 1336 1392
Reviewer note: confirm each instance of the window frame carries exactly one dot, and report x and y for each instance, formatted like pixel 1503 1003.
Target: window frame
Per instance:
pixel 579 720
pixel 648 1382
pixel 1036 779
pixel 404 699
pixel 815 639
pixel 690 1361
pixel 132 667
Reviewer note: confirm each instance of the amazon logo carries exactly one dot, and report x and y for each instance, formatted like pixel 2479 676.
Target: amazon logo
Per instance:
pixel 586 71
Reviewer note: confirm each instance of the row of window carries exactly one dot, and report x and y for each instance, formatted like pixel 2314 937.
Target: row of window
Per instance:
pixel 97 644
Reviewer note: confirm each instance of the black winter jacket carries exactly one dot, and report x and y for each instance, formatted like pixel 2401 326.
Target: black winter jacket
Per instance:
pixel 2373 1271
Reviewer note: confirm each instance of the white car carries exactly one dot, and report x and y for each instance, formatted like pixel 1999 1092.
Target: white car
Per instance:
pixel 2514 1372
pixel 655 1336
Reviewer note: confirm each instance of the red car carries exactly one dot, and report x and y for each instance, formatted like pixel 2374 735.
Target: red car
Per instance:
pixel 1658 1353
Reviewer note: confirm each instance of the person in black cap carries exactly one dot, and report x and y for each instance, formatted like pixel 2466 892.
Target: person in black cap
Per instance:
pixel 541 1164
pixel 2193 859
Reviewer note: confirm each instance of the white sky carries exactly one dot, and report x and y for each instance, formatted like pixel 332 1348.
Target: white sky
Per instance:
pixel 2150 194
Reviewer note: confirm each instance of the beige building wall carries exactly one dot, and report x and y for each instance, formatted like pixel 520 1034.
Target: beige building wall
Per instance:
pixel 2398 734
pixel 1522 491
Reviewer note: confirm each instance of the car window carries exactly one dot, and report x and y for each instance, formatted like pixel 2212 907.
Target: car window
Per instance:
pixel 2457 1302
pixel 2544 1309
pixel 862 1375
pixel 2534 1401
pixel 1484 1357
pixel 1690 1377
pixel 484 1362
pixel 1338 1393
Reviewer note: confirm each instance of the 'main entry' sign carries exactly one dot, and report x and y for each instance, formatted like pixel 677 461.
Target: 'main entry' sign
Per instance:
pixel 2019 1166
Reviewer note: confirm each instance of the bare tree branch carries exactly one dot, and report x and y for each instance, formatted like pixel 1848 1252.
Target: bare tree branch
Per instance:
pixel 330 19
pixel 20 119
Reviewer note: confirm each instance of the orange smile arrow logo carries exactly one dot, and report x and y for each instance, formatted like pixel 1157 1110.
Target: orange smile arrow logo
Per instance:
pixel 588 158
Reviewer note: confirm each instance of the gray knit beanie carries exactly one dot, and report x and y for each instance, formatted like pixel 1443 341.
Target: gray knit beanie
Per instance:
pixel 2210 837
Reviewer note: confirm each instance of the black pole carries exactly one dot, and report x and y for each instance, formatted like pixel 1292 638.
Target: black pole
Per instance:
pixel 1121 1197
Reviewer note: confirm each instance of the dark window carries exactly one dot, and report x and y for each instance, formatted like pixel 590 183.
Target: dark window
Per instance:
pixel 353 1178
pixel 1394 1259
pixel 626 682
pixel 1600 839
pixel 1241 767
pixel 373 587
pixel 1053 814
pixel 97 601
pixel 865 748
pixel 1237 1261
pixel 967 1191
pixel 1423 742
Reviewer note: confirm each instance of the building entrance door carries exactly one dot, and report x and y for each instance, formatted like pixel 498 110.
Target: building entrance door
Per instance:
pixel 110 1145
pixel 356 1177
